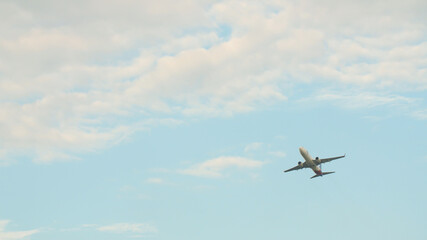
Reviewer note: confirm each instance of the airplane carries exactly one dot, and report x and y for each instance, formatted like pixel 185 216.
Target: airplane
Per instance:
pixel 313 163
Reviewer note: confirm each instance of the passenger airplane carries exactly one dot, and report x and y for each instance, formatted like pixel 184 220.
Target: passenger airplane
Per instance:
pixel 312 163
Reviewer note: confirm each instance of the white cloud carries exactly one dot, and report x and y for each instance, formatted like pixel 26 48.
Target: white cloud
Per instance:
pixel 253 146
pixel 404 106
pixel 47 157
pixel 74 74
pixel 421 114
pixel 14 235
pixel 155 180
pixel 278 154
pixel 363 100
pixel 121 228
pixel 216 167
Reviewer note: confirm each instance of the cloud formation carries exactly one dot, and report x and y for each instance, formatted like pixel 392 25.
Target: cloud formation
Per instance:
pixel 364 100
pixel 81 75
pixel 140 228
pixel 155 180
pixel 253 146
pixel 14 235
pixel 217 166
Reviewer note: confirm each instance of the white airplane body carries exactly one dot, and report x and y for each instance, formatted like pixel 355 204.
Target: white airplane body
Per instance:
pixel 312 163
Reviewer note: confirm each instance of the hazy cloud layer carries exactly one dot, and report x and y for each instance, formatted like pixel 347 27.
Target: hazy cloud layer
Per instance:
pixel 81 75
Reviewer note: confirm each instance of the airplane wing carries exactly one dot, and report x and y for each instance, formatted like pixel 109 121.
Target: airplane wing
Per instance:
pixel 325 160
pixel 297 167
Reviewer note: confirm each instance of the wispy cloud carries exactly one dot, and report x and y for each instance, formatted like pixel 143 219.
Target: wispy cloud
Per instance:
pixel 155 180
pixel 161 181
pixel 141 228
pixel 355 100
pixel 6 235
pixel 364 99
pixel 124 229
pixel 278 154
pixel 216 167
pixel 253 146
pixel 421 114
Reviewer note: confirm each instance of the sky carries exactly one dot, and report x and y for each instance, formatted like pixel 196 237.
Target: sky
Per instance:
pixel 175 120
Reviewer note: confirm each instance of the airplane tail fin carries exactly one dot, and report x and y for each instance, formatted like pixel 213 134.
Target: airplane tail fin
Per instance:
pixel 324 173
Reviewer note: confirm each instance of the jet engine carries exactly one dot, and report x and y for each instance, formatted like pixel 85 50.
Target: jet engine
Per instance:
pixel 317 158
pixel 299 163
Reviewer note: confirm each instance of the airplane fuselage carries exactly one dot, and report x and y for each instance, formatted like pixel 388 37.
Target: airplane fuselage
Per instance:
pixel 309 161
pixel 313 163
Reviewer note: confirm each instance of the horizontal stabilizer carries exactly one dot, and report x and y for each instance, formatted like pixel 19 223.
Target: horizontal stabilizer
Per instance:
pixel 324 173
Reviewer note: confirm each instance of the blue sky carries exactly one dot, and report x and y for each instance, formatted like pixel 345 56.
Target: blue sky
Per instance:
pixel 141 120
